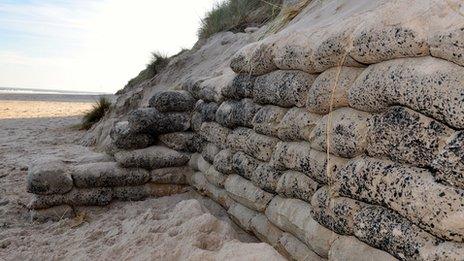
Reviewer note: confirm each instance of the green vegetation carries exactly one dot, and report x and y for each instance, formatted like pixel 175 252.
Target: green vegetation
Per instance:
pixel 157 63
pixel 100 108
pixel 236 15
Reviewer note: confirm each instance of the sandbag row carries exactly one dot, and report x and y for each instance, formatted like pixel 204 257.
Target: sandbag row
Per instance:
pixel 365 38
pixel 56 183
pixel 398 134
pixel 431 86
pixel 390 133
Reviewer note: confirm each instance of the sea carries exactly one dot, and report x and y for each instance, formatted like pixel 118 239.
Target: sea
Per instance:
pixel 27 94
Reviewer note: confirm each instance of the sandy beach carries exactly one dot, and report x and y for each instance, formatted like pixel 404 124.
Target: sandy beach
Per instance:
pixel 25 106
pixel 179 227
pixel 41 109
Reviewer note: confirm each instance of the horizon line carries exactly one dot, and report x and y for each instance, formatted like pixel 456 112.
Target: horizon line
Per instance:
pixel 56 90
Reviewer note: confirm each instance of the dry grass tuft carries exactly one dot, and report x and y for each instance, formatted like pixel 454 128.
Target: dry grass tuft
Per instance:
pixel 80 219
pixel 99 109
pixel 286 15
pixel 236 15
pixel 157 63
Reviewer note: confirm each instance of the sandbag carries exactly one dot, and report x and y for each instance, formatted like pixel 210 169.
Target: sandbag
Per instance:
pixel 330 89
pixel 297 125
pixel 410 191
pixel 298 156
pixel 244 192
pixel 151 121
pixel 244 165
pixel 293 184
pixel 215 133
pixel 223 161
pixel 165 101
pixel 183 141
pixel 347 132
pixel 242 215
pixel 427 85
pixel 234 113
pixel 449 163
pixel 297 249
pixel 49 177
pixel 210 150
pixel 253 59
pixel 406 136
pixel 351 249
pixel 107 174
pixel 294 216
pixel 215 177
pixel 154 157
pixel 284 88
pixel 266 120
pixel 240 87
pixel 266 177
pixel 174 175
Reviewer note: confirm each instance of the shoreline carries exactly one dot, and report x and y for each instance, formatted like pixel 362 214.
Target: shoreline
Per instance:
pixel 52 97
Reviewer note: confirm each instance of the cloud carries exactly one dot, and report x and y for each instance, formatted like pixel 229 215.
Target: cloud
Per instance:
pixel 94 45
pixel 44 19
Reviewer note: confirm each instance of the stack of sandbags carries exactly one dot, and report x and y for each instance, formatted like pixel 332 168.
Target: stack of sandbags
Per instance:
pixel 168 112
pixel 340 141
pixel 153 149
pixel 58 187
pixel 350 162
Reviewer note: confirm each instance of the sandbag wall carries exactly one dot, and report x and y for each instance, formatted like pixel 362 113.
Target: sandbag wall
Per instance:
pixel 151 149
pixel 352 150
pixel 337 144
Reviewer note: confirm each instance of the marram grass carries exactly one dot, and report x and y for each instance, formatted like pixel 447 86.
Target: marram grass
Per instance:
pixel 236 15
pixel 99 109
pixel 157 63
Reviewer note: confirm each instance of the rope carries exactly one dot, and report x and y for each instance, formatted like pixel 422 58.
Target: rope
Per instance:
pixel 331 192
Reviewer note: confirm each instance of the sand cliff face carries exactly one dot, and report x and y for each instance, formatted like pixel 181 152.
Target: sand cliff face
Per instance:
pixel 339 137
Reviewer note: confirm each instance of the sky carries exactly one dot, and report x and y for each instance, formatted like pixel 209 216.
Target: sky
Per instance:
pixel 90 45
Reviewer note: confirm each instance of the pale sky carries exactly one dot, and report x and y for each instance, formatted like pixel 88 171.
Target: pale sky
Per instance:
pixel 90 45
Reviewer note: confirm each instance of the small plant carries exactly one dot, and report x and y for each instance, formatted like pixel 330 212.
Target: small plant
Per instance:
pixel 97 112
pixel 286 15
pixel 157 63
pixel 236 15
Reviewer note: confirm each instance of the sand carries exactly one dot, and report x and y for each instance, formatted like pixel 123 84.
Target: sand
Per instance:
pixel 180 227
pixel 26 106
pixel 41 109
